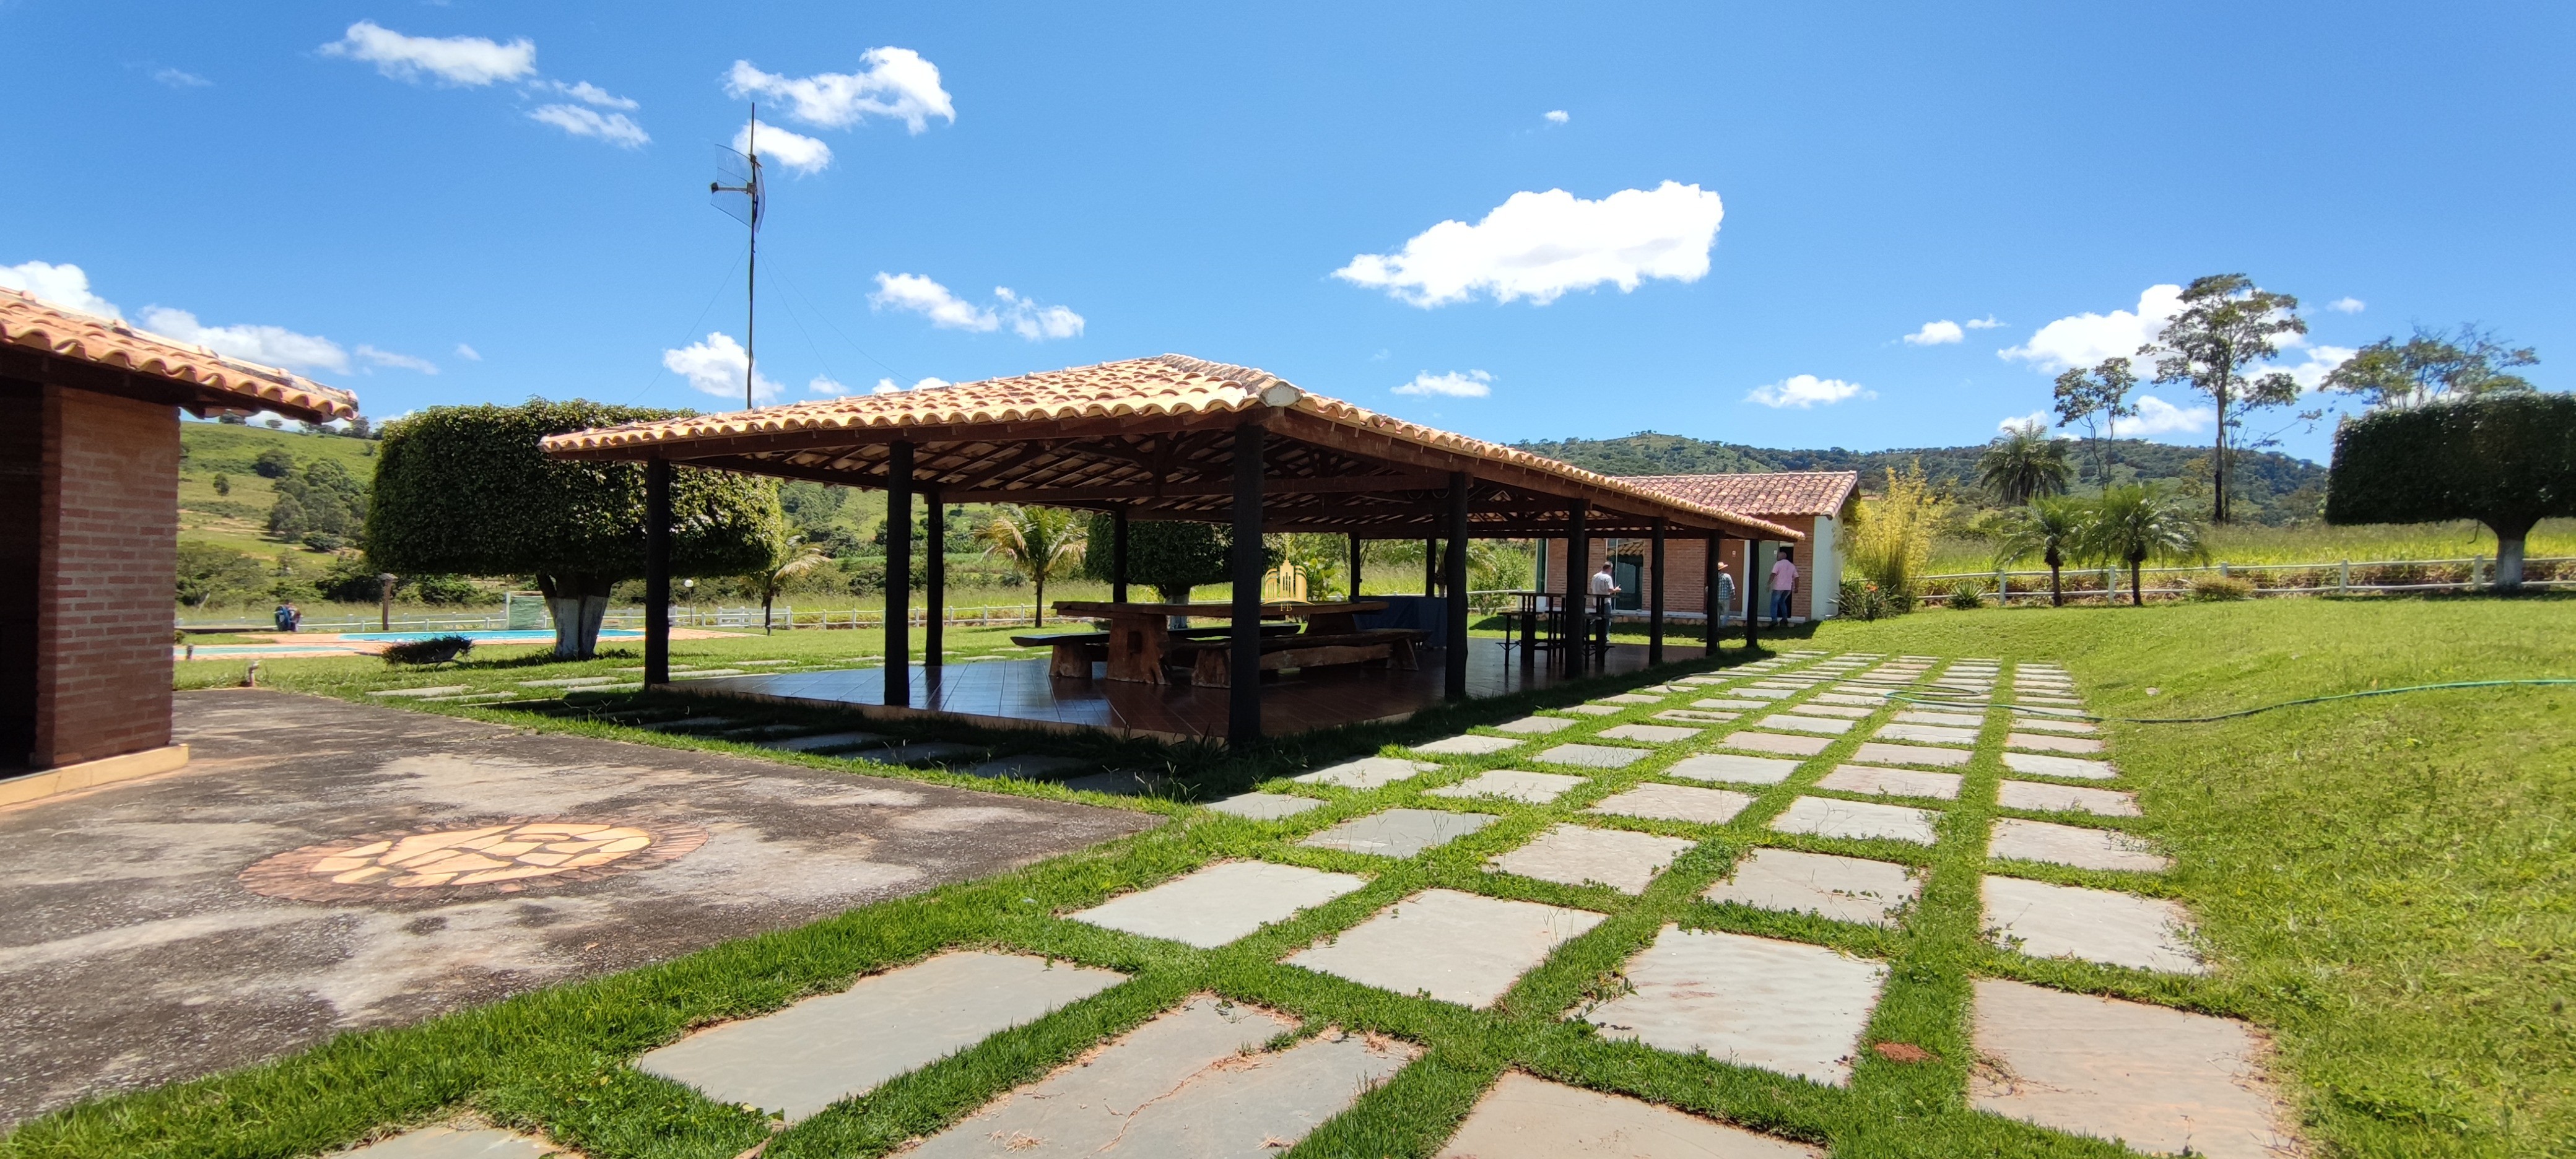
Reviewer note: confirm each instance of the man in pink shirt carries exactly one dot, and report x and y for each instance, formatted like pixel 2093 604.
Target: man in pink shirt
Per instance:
pixel 1784 583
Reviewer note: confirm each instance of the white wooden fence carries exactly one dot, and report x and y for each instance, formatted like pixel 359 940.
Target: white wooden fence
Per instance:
pixel 2344 576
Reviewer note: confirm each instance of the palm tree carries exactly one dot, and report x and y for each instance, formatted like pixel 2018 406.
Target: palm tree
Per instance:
pixel 785 555
pixel 2050 528
pixel 2023 463
pixel 2135 523
pixel 1040 543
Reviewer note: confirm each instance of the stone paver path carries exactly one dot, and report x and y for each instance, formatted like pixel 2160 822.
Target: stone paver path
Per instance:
pixel 1220 903
pixel 1899 754
pixel 1531 1118
pixel 1456 947
pixel 1733 769
pixel 1660 802
pixel 1781 1006
pixel 1399 832
pixel 1649 733
pixel 2118 929
pixel 2076 768
pixel 1888 782
pixel 1469 745
pixel 1265 806
pixel 1827 817
pixel 1535 724
pixel 1513 785
pixel 1772 742
pixel 2045 798
pixel 1844 889
pixel 1582 855
pixel 2018 840
pixel 1367 773
pixel 451 1143
pixel 1593 756
pixel 2159 1080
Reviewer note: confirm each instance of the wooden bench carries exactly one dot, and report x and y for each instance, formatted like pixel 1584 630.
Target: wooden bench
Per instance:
pixel 1211 662
pixel 1075 652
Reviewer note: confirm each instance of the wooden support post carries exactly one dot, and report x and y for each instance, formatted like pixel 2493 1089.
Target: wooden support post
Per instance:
pixel 1578 587
pixel 657 572
pixel 1716 609
pixel 1359 555
pixel 1243 699
pixel 1752 594
pixel 898 581
pixel 934 583
pixel 1655 596
pixel 1455 687
pixel 1118 556
pixel 1430 567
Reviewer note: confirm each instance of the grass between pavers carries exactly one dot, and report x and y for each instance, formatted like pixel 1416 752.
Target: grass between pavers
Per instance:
pixel 2382 883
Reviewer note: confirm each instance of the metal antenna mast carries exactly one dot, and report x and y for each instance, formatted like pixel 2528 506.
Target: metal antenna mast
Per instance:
pixel 748 200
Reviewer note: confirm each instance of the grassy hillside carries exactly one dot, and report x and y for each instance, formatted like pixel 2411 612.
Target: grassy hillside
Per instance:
pixel 240 519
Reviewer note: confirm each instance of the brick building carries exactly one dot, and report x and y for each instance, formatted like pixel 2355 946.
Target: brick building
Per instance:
pixel 89 521
pixel 1819 503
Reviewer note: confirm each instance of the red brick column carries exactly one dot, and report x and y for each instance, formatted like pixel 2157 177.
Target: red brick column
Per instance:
pixel 104 604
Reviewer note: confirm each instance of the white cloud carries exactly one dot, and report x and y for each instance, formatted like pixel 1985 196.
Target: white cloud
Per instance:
pixel 468 353
pixel 397 361
pixel 2347 305
pixel 897 85
pixel 794 150
pixel 2038 419
pixel 716 366
pixel 65 285
pixel 2322 360
pixel 2087 339
pixel 271 345
pixel 890 386
pixel 2158 417
pixel 1805 391
pixel 1935 334
pixel 1986 323
pixel 180 78
pixel 1557 116
pixel 1469 384
pixel 1540 245
pixel 1026 317
pixel 461 60
pixel 588 94
pixel 615 128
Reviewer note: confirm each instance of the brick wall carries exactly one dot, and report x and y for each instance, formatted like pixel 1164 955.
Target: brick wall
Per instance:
pixel 108 541
pixel 1685 582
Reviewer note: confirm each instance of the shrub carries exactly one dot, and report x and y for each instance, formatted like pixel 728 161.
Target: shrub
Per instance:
pixel 1892 541
pixel 324 541
pixel 2507 460
pixel 446 589
pixel 2219 588
pixel 1863 600
pixel 1966 596
pixel 435 650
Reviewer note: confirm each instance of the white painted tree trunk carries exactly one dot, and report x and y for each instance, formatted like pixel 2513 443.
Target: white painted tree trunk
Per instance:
pixel 577 620
pixel 2508 572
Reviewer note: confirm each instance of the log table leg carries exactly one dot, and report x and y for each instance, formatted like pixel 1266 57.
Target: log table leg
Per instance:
pixel 1137 644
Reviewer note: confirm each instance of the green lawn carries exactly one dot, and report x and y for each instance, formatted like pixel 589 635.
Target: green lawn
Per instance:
pixel 2314 544
pixel 2387 885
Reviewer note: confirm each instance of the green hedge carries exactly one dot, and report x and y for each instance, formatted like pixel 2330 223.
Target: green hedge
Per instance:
pixel 2506 460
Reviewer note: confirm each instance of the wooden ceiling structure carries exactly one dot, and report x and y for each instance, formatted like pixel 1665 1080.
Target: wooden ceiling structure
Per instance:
pixel 1156 437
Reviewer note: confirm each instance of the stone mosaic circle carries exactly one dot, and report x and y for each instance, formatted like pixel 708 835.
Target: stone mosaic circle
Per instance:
pixel 449 862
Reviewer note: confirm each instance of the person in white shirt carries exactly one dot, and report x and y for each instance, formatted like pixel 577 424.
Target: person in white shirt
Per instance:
pixel 1604 586
pixel 1725 595
pixel 1784 583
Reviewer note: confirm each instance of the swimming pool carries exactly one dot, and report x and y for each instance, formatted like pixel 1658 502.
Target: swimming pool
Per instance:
pixel 496 636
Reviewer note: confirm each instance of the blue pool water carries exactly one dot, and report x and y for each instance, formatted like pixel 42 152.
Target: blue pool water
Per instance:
pixel 522 636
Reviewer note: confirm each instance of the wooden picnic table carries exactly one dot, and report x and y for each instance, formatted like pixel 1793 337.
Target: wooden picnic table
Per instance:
pixel 1140 635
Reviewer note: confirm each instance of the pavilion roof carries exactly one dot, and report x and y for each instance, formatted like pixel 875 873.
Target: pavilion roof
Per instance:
pixel 1765 493
pixel 1155 436
pixel 123 360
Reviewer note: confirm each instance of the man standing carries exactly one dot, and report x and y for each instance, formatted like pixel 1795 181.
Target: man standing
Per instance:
pixel 1784 583
pixel 1604 585
pixel 1725 609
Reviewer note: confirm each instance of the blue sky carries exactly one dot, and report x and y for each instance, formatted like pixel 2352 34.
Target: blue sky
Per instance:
pixel 355 189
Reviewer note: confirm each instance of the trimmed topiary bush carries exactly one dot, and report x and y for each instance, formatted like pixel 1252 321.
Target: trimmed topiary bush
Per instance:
pixel 435 650
pixel 2505 460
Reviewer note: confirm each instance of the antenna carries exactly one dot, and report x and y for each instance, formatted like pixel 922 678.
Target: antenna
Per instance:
pixel 739 191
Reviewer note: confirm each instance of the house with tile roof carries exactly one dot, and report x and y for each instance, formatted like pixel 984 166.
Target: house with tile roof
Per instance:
pixel 1818 504
pixel 89 527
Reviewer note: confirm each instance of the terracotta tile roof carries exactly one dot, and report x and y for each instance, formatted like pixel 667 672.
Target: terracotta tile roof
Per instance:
pixel 1167 384
pixel 219 382
pixel 1773 493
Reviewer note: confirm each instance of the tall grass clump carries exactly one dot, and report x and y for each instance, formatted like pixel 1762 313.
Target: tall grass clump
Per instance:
pixel 1891 544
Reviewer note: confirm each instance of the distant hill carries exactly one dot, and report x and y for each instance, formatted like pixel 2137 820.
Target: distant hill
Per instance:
pixel 2272 487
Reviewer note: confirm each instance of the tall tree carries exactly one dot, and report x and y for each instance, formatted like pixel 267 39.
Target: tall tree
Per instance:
pixel 2227 326
pixel 2135 523
pixel 1040 543
pixel 2103 392
pixel 2432 365
pixel 466 490
pixel 2051 529
pixel 2504 458
pixel 2023 462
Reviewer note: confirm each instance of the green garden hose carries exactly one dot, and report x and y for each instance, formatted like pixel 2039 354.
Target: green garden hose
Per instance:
pixel 2070 714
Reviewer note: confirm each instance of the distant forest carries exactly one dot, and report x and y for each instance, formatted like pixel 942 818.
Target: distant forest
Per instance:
pixel 2275 488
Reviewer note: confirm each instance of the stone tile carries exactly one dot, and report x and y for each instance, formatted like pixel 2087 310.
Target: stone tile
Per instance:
pixel 1534 724
pixel 1456 947
pixel 1648 733
pixel 2158 1080
pixel 1927 734
pixel 1781 1006
pixel 1760 693
pixel 1812 708
pixel 1772 742
pixel 1730 705
pixel 1193 1081
pixel 2080 847
pixel 1532 1118
pixel 1942 719
pixel 1694 716
pixel 1827 817
pixel 822 1050
pixel 2066 798
pixel 2021 711
pixel 1888 782
pixel 1899 754
pixel 1366 773
pixel 1842 889
pixel 2044 724
pixel 1514 785
pixel 434 690
pixel 1264 806
pixel 1630 698
pixel 1661 802
pixel 1816 724
pixel 1592 709
pixel 825 742
pixel 1117 782
pixel 1220 903
pixel 2077 768
pixel 2097 925
pixel 2052 744
pixel 1582 855
pixel 450 1143
pixel 931 752
pixel 1855 700
pixel 1733 769
pixel 1399 832
pixel 2063 701
pixel 1467 745
pixel 1592 756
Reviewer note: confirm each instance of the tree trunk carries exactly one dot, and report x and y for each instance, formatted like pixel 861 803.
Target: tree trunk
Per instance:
pixel 2137 588
pixel 577 604
pixel 2056 587
pixel 1037 615
pixel 767 597
pixel 2509 542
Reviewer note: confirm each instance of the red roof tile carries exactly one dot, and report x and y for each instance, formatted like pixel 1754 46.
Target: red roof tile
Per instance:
pixel 221 382
pixel 1770 494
